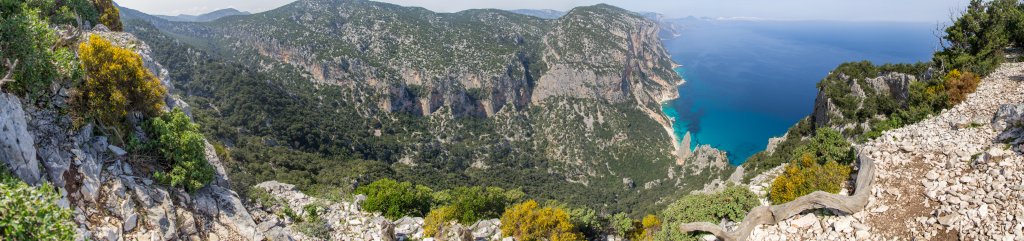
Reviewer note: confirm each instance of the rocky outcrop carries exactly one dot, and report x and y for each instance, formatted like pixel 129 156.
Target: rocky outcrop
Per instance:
pixel 895 85
pixel 890 85
pixel 16 144
pixel 774 142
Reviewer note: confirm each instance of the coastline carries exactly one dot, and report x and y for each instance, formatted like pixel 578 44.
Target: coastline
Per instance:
pixel 670 122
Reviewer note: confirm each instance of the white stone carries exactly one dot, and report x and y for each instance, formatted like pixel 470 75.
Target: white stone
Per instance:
pixel 842 225
pixel 805 221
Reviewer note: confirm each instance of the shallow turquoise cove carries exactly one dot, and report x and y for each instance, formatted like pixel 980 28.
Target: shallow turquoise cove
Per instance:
pixel 750 81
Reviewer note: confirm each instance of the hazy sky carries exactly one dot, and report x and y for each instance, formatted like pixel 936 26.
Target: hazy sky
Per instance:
pixel 847 10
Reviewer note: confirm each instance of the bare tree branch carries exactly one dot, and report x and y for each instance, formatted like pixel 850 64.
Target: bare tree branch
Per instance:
pixel 10 72
pixel 777 213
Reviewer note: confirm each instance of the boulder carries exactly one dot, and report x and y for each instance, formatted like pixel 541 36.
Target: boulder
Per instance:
pixel 16 143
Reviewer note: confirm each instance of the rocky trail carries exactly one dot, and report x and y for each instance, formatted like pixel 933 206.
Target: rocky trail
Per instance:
pixel 955 176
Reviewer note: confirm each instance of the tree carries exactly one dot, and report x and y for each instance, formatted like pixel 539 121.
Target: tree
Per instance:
pixel 179 142
pixel 395 199
pixel 116 84
pixel 976 40
pixel 528 222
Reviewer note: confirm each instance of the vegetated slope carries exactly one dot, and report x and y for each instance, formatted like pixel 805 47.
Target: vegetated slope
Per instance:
pixel 858 99
pixel 327 94
pixel 952 176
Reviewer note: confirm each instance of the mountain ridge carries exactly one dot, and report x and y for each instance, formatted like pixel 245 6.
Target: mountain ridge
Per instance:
pixel 536 94
pixel 205 17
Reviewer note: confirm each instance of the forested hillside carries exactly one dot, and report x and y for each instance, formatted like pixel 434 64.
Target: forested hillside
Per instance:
pixel 474 98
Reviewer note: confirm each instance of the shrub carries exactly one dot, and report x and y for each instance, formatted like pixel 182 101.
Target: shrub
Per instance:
pixel 475 203
pixel 622 224
pixel 116 84
pixel 733 203
pixel 108 14
pixel 31 213
pixel 586 221
pixel 830 145
pixel 437 220
pixel 179 142
pixel 959 85
pixel 527 221
pixel 651 225
pixel 26 38
pixel 64 11
pixel 804 176
pixel 395 199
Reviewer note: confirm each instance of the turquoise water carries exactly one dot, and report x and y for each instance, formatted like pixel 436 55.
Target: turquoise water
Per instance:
pixel 750 81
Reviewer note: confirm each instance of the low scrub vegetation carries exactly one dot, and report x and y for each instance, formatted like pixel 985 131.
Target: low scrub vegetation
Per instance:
pixel 529 221
pixel 438 220
pixel 32 213
pixel 116 84
pixel 29 46
pixel 177 140
pixel 395 199
pixel 805 175
pixel 732 204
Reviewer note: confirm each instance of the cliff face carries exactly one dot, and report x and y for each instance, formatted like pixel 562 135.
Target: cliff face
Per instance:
pixel 475 62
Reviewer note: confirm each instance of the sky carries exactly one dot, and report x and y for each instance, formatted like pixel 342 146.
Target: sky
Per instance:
pixel 929 11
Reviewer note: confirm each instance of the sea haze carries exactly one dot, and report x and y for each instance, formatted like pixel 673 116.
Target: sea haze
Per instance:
pixel 747 81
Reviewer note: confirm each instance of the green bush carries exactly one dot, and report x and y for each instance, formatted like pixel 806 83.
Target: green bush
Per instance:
pixel 622 225
pixel 64 11
pixel 587 221
pixel 476 203
pixel 31 213
pixel 396 199
pixel 179 142
pixel 829 145
pixel 733 203
pixel 26 37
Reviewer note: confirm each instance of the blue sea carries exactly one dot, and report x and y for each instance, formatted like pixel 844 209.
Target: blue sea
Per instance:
pixel 747 81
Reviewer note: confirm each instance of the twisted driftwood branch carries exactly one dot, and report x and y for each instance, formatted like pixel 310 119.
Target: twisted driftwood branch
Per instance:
pixel 775 214
pixel 10 72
